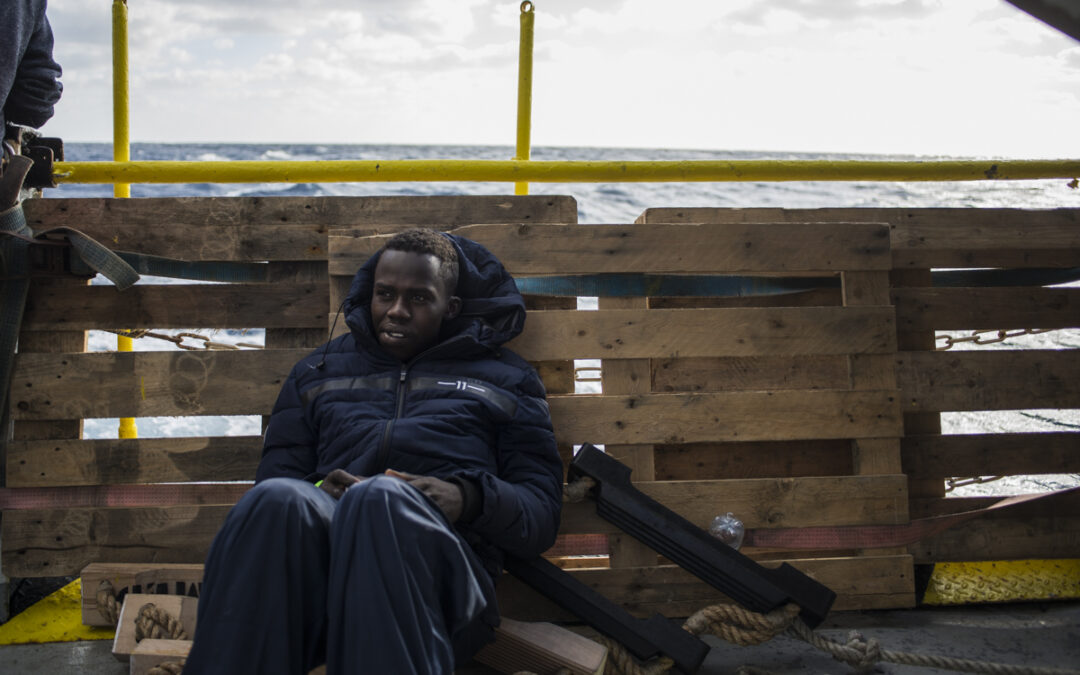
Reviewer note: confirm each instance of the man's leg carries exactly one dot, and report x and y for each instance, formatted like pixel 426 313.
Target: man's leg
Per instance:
pixel 406 594
pixel 263 603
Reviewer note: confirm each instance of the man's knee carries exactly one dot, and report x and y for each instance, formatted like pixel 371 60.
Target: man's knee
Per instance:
pixel 382 497
pixel 281 495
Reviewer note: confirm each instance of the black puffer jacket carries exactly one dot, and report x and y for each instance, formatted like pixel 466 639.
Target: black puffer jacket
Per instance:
pixel 466 407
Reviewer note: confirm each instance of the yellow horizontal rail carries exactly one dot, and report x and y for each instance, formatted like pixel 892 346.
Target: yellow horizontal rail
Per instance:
pixel 511 171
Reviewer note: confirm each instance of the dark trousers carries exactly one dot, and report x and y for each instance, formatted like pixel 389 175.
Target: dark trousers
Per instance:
pixel 377 582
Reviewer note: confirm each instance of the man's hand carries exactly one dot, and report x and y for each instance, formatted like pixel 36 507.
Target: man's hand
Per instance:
pixel 446 495
pixel 338 481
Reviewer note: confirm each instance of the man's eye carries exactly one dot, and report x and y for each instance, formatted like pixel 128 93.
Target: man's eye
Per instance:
pixel 420 298
pixel 384 295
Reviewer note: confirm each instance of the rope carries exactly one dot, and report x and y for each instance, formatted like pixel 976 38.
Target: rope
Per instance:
pixel 576 491
pixel 862 653
pixel 154 622
pixel 740 626
pixel 168 668
pixel 107 605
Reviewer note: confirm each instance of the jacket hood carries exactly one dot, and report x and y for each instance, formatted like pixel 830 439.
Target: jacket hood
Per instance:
pixel 492 309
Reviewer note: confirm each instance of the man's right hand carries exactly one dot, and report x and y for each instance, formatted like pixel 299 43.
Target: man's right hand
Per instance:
pixel 338 481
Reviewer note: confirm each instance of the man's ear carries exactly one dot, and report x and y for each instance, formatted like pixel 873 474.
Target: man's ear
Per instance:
pixel 453 307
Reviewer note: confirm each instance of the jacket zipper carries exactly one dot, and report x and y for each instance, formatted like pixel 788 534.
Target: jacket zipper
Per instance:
pixel 384 444
pixel 383 453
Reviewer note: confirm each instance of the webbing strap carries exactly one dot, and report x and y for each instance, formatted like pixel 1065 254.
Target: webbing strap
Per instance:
pixel 14 287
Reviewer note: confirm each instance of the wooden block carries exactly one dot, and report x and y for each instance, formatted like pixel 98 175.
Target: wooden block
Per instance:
pixel 541 648
pixel 151 653
pixel 137 578
pixel 179 607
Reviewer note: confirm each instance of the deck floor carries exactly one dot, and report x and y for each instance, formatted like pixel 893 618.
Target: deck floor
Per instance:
pixel 1037 634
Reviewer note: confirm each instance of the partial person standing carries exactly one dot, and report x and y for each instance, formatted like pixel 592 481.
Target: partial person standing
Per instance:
pixel 29 76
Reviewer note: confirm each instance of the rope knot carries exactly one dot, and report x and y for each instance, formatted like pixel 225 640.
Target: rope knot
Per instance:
pixel 577 490
pixel 861 654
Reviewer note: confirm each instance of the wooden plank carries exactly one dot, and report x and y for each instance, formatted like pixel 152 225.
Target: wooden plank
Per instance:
pixel 64 541
pixel 675 333
pixel 734 373
pixel 147 460
pixel 933 456
pixel 779 459
pixel 140 384
pixel 925 238
pixel 179 306
pixel 766 502
pixel 49 342
pixel 989 380
pixel 274 228
pixel 725 416
pixel 1046 537
pixel 660 249
pixel 986 308
pixel 629 376
pixel 543 648
pixel 150 653
pixel 860 583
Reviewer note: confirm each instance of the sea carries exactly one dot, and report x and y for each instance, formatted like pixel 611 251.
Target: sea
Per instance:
pixel 601 203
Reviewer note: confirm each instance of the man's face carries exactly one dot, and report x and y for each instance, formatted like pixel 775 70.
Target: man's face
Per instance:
pixel 409 302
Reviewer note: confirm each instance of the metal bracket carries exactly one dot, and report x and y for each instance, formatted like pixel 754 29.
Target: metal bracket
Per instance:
pixel 644 638
pixel 757 588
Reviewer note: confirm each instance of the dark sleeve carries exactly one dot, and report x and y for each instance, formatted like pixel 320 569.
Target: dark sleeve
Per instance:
pixel 520 507
pixel 290 440
pixel 36 86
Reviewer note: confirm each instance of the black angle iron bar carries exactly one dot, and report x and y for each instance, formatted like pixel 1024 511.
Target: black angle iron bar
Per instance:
pixel 753 586
pixel 644 638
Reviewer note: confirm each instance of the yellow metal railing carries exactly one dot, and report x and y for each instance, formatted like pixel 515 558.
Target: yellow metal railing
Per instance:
pixel 121 148
pixel 520 170
pixel 524 103
pixel 515 171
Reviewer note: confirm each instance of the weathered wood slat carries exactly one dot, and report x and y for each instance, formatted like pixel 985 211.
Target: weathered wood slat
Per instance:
pixel 725 416
pixel 137 384
pixel 753 460
pixel 292 305
pixel 925 238
pixel 63 541
pixel 989 380
pixel 766 502
pixel 991 454
pixel 860 583
pixel 145 460
pixel 1042 537
pixel 659 249
pixel 273 228
pixel 986 308
pixel 673 333
pixel 140 384
pixel 751 373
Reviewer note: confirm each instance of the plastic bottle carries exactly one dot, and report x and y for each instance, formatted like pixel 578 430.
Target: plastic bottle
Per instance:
pixel 728 529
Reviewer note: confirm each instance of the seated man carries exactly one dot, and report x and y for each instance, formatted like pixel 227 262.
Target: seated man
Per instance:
pixel 436 455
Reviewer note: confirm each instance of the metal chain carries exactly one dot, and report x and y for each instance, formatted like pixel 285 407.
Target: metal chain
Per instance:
pixel 178 340
pixel 976 336
pixel 953 483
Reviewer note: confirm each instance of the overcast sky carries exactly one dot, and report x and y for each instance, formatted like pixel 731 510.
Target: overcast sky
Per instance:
pixel 927 77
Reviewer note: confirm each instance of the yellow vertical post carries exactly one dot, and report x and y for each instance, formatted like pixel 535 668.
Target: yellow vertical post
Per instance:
pixel 524 105
pixel 121 145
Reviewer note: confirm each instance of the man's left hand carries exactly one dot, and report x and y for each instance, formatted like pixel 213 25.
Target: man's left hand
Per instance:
pixel 446 495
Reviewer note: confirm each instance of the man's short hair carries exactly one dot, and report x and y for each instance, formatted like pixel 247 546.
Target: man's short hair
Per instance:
pixel 429 242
